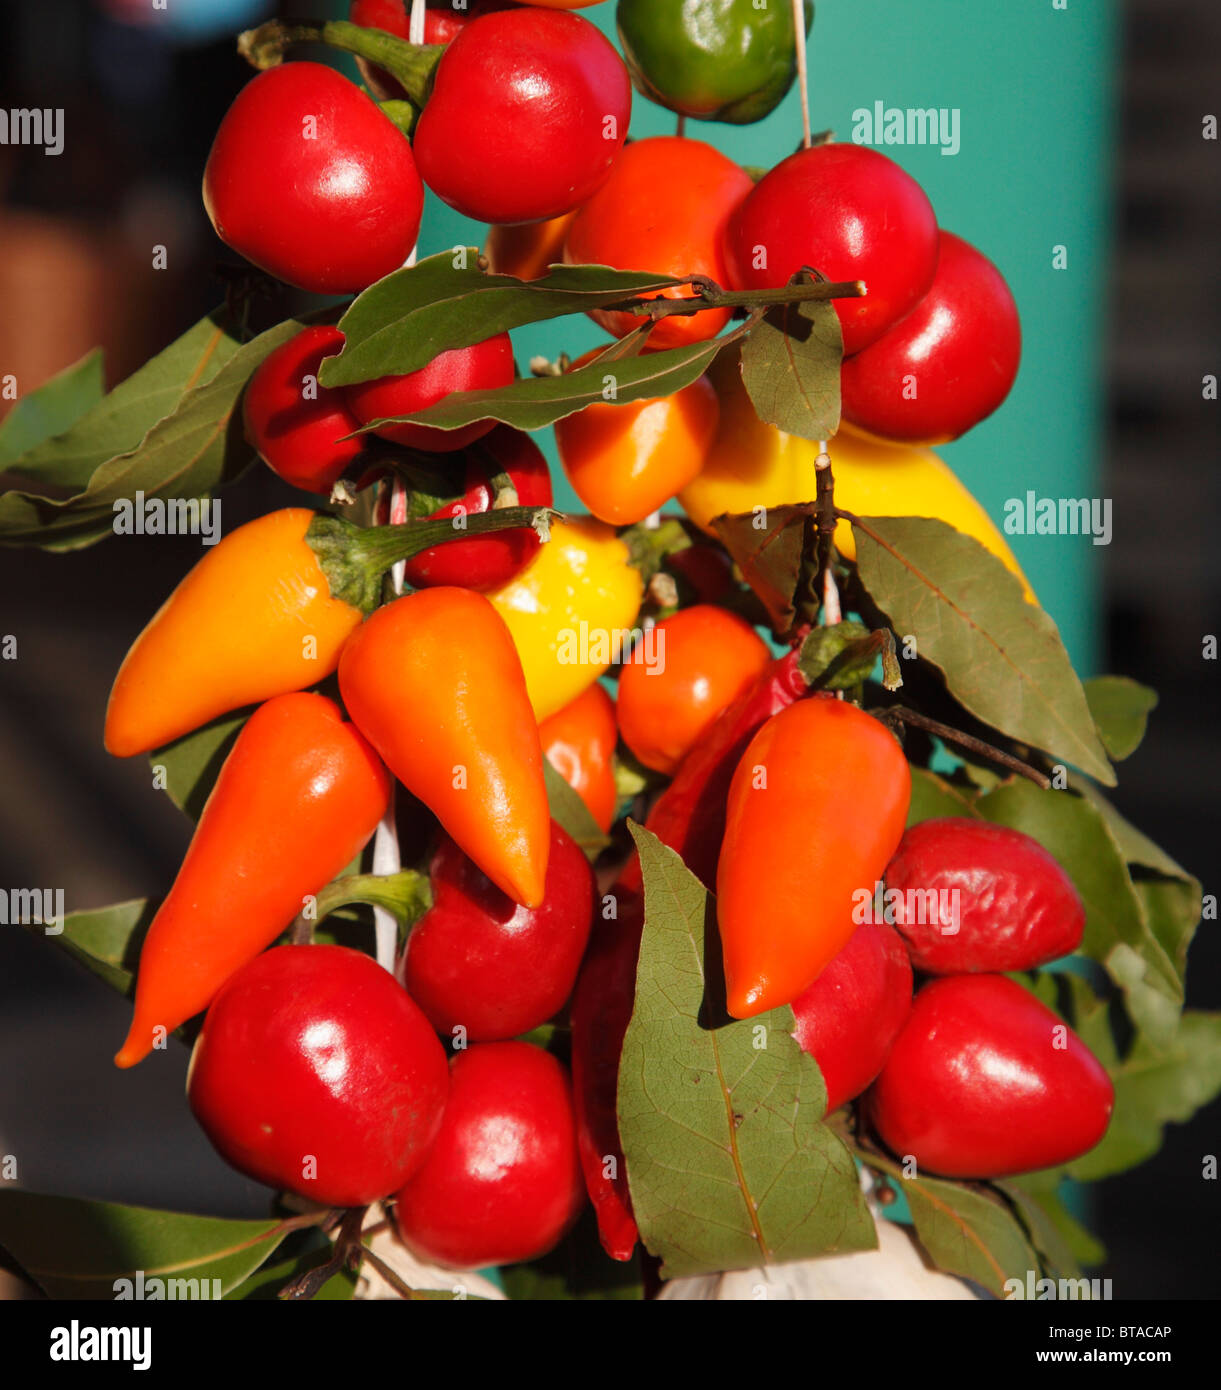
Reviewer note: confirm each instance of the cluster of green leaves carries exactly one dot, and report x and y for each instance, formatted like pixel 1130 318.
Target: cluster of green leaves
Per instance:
pixel 173 429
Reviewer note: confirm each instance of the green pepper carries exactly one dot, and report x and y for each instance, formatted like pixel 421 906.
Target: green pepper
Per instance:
pixel 715 60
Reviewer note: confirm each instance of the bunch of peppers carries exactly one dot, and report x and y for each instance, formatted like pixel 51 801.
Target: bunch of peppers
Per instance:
pixel 427 656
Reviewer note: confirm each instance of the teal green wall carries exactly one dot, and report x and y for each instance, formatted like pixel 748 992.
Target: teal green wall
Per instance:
pixel 1034 87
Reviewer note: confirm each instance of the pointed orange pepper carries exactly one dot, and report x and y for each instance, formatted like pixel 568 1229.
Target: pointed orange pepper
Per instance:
pixel 253 619
pixel 297 799
pixel 816 809
pixel 434 682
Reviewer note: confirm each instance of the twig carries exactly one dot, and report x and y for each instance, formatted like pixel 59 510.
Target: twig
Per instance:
pixel 976 745
pixel 825 499
pixel 395 1280
pixel 348 1253
pixel 709 295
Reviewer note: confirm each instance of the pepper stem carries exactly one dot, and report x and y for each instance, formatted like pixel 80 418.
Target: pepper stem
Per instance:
pixel 401 114
pixel 411 64
pixel 649 547
pixel 406 895
pixel 354 558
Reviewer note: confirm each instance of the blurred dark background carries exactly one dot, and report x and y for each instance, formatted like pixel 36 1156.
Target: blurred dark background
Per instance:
pixel 75 237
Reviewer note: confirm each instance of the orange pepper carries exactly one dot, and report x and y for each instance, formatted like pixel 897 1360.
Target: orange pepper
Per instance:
pixel 528 250
pixel 816 809
pixel 255 618
pixel 579 742
pixel 434 682
pixel 672 690
pixel 296 800
pixel 665 208
pixel 626 461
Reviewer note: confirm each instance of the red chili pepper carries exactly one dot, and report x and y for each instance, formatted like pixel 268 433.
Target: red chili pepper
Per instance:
pixel 689 817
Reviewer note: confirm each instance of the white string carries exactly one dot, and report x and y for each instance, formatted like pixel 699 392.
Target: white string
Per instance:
pixel 415 34
pixel 416 31
pixel 803 78
pixel 387 858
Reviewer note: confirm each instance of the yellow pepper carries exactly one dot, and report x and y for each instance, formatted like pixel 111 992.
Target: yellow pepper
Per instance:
pixel 570 611
pixel 753 464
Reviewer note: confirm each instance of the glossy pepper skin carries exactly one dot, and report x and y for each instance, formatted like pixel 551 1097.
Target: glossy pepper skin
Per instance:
pixel 850 213
pixel 484 563
pixel 502 1182
pixel 316 1073
pixel 713 60
pixel 253 619
pixel 981 897
pixel 529 249
pixel 627 461
pixel 433 682
pixel 297 799
pixel 481 367
pixel 753 464
pixel 850 1016
pixel 579 742
pixel 665 208
pixel 528 113
pixel 815 811
pixel 564 610
pixel 689 817
pixel 985 1081
pixel 704 659
pixel 329 211
pixel 960 347
pixel 298 426
pixel 479 962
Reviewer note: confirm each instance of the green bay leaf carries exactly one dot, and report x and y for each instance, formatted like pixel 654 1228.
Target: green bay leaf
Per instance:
pixel 1002 658
pixel 791 368
pixel 47 412
pixel 73 1248
pixel 1121 708
pixel 401 323
pixel 728 1161
pixel 968 1231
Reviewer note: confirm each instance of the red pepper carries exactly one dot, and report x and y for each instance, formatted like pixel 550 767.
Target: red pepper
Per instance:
pixel 488 562
pixel 689 817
